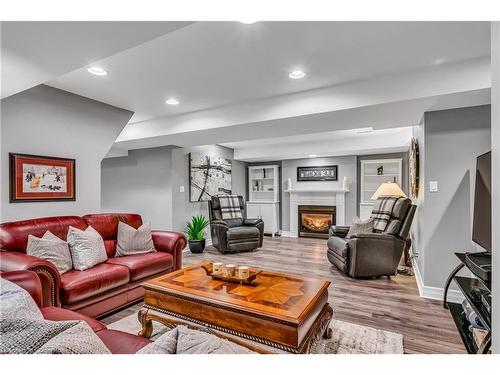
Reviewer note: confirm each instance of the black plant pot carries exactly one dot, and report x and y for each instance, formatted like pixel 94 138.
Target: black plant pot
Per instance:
pixel 196 246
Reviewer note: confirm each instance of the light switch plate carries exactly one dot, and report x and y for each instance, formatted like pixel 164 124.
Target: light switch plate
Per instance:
pixel 181 189
pixel 433 186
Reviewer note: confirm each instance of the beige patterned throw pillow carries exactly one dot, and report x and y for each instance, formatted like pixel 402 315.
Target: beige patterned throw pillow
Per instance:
pixel 51 248
pixel 360 226
pixel 134 241
pixel 86 247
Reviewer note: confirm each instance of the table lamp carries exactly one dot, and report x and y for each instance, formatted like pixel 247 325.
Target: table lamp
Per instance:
pixel 388 189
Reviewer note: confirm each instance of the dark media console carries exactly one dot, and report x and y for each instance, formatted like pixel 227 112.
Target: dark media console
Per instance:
pixel 477 291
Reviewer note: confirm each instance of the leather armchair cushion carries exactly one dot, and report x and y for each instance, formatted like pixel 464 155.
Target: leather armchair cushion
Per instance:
pixel 339 246
pixel 393 227
pixel 78 285
pixel 401 208
pixel 143 265
pixel 58 314
pixel 242 233
pixel 121 342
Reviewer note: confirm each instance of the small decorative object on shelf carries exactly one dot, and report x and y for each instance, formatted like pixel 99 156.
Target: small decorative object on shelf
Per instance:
pixel 195 231
pixel 289 184
pixel 240 275
pixel 380 170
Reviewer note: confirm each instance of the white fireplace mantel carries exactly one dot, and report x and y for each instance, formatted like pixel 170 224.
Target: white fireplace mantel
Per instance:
pixel 311 196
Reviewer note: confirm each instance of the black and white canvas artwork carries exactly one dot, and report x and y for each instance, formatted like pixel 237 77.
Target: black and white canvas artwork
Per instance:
pixel 208 176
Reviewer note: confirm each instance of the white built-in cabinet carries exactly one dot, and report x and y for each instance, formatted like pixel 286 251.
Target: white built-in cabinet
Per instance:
pixel 263 203
pixel 371 180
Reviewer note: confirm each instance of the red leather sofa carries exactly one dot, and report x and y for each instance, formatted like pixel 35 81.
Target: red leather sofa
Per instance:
pixel 116 341
pixel 103 288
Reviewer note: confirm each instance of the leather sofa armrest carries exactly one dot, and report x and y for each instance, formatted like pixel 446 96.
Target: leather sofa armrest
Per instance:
pixel 172 243
pixel 28 280
pixel 252 222
pixel 48 274
pixel 338 231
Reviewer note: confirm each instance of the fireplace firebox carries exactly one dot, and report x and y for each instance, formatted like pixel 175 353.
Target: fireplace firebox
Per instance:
pixel 314 221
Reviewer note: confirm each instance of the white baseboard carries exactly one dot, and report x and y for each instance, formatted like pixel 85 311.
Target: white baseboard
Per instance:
pixel 431 292
pixel 286 233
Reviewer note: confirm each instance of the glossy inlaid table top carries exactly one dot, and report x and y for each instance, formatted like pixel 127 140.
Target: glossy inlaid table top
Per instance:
pixel 284 296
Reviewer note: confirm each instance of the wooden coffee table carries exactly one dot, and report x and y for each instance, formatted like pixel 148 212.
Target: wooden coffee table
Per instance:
pixel 279 313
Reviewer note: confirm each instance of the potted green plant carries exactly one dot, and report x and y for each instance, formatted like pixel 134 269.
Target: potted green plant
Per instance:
pixel 195 231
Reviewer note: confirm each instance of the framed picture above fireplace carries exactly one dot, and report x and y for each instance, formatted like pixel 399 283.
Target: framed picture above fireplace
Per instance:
pixel 322 173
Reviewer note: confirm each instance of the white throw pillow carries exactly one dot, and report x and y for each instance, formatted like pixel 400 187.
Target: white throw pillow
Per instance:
pixel 86 247
pixel 17 302
pixel 134 241
pixel 51 248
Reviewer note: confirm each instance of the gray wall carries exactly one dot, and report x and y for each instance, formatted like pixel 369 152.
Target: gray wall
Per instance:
pixel 52 122
pixel 140 183
pixel 453 139
pixel 346 167
pixel 182 208
pixel 397 155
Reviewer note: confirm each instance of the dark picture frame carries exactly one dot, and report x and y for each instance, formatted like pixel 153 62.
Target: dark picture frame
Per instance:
pixel 320 173
pixel 37 178
pixel 210 175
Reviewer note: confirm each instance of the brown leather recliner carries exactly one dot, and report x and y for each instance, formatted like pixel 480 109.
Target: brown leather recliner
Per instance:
pixel 372 254
pixel 234 235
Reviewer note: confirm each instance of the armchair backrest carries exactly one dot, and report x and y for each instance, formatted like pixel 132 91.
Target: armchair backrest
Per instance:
pixel 401 218
pixel 215 213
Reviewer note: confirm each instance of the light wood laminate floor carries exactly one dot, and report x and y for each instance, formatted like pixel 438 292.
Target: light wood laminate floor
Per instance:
pixel 389 304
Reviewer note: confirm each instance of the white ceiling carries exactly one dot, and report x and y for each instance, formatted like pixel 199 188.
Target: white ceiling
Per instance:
pixel 232 79
pixel 37 52
pixel 213 64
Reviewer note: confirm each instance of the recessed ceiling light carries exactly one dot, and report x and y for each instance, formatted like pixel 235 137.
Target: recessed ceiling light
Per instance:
pixel 248 22
pixel 439 61
pixel 172 101
pixel 97 71
pixel 313 155
pixel 297 74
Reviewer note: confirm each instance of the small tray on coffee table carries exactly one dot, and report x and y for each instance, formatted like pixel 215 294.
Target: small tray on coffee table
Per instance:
pixel 232 279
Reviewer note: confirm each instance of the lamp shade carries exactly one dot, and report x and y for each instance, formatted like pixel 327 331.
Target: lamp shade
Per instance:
pixel 388 189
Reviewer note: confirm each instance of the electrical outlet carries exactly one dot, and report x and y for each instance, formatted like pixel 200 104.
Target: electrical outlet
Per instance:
pixel 181 189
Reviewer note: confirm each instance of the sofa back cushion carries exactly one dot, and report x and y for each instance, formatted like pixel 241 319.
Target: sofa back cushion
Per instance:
pixel 14 235
pixel 107 226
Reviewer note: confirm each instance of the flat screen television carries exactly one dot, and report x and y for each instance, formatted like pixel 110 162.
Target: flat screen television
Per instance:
pixel 481 227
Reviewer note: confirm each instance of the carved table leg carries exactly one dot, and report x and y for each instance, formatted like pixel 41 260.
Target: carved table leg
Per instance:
pixel 146 323
pixel 327 334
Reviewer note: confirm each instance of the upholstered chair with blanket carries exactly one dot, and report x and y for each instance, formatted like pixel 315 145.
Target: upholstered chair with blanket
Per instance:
pixel 378 252
pixel 231 231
